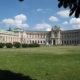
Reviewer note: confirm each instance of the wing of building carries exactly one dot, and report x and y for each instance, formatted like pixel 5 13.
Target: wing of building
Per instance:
pixel 53 37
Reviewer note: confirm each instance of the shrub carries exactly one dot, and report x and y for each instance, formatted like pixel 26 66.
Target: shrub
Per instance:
pixel 34 45
pixel 9 45
pixel 30 45
pixel 2 45
pixel 24 45
pixel 17 44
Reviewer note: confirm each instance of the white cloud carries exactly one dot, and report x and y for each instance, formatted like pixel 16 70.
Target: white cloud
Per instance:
pixel 17 21
pixel 9 22
pixel 63 13
pixel 65 22
pixel 62 29
pixel 53 19
pixel 21 17
pixel 75 22
pixel 42 10
pixel 42 27
pixel 39 10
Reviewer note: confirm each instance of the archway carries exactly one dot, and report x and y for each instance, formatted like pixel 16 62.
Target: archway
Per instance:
pixel 54 42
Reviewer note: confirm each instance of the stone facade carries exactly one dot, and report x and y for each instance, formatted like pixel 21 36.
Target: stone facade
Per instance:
pixel 53 37
pixel 70 37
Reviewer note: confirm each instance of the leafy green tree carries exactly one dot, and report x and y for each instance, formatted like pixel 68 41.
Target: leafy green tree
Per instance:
pixel 21 0
pixel 73 5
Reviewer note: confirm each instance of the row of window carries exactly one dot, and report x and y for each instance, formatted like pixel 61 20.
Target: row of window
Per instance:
pixel 71 42
pixel 36 36
pixel 36 41
pixel 8 39
pixel 70 35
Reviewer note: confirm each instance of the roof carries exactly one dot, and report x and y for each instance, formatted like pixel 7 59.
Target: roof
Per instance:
pixel 7 32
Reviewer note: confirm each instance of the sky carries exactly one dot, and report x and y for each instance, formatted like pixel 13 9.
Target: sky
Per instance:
pixel 40 15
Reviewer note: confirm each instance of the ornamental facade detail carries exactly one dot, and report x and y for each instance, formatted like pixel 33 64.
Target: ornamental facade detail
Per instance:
pixel 53 37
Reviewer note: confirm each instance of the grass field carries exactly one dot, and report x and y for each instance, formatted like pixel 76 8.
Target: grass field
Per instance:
pixel 44 63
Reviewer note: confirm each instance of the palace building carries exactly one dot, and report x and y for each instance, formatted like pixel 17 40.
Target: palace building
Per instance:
pixel 53 37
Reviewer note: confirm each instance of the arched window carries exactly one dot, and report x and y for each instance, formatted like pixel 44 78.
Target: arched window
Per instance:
pixel 38 41
pixel 44 42
pixel 62 42
pixel 33 42
pixel 41 42
pixel 30 41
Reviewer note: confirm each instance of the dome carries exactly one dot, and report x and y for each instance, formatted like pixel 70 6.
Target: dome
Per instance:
pixel 17 30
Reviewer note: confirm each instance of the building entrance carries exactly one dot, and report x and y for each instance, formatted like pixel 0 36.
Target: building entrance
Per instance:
pixel 54 42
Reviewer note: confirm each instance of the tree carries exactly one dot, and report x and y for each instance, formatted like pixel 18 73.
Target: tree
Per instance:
pixel 73 5
pixel 21 0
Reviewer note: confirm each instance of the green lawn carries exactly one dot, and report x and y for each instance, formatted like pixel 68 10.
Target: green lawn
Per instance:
pixel 44 63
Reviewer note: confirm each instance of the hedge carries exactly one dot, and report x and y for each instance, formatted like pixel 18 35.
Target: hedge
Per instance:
pixel 2 45
pixel 9 45
pixel 34 45
pixel 17 44
pixel 25 45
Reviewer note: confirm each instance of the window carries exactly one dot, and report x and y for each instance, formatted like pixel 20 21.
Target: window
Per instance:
pixel 41 42
pixel 38 41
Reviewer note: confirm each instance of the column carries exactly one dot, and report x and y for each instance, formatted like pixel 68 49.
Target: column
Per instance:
pixel 52 42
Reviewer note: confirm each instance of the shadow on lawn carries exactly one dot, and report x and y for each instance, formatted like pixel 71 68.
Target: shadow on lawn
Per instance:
pixel 8 75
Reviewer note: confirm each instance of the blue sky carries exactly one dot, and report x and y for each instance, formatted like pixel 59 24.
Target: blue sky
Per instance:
pixel 35 15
